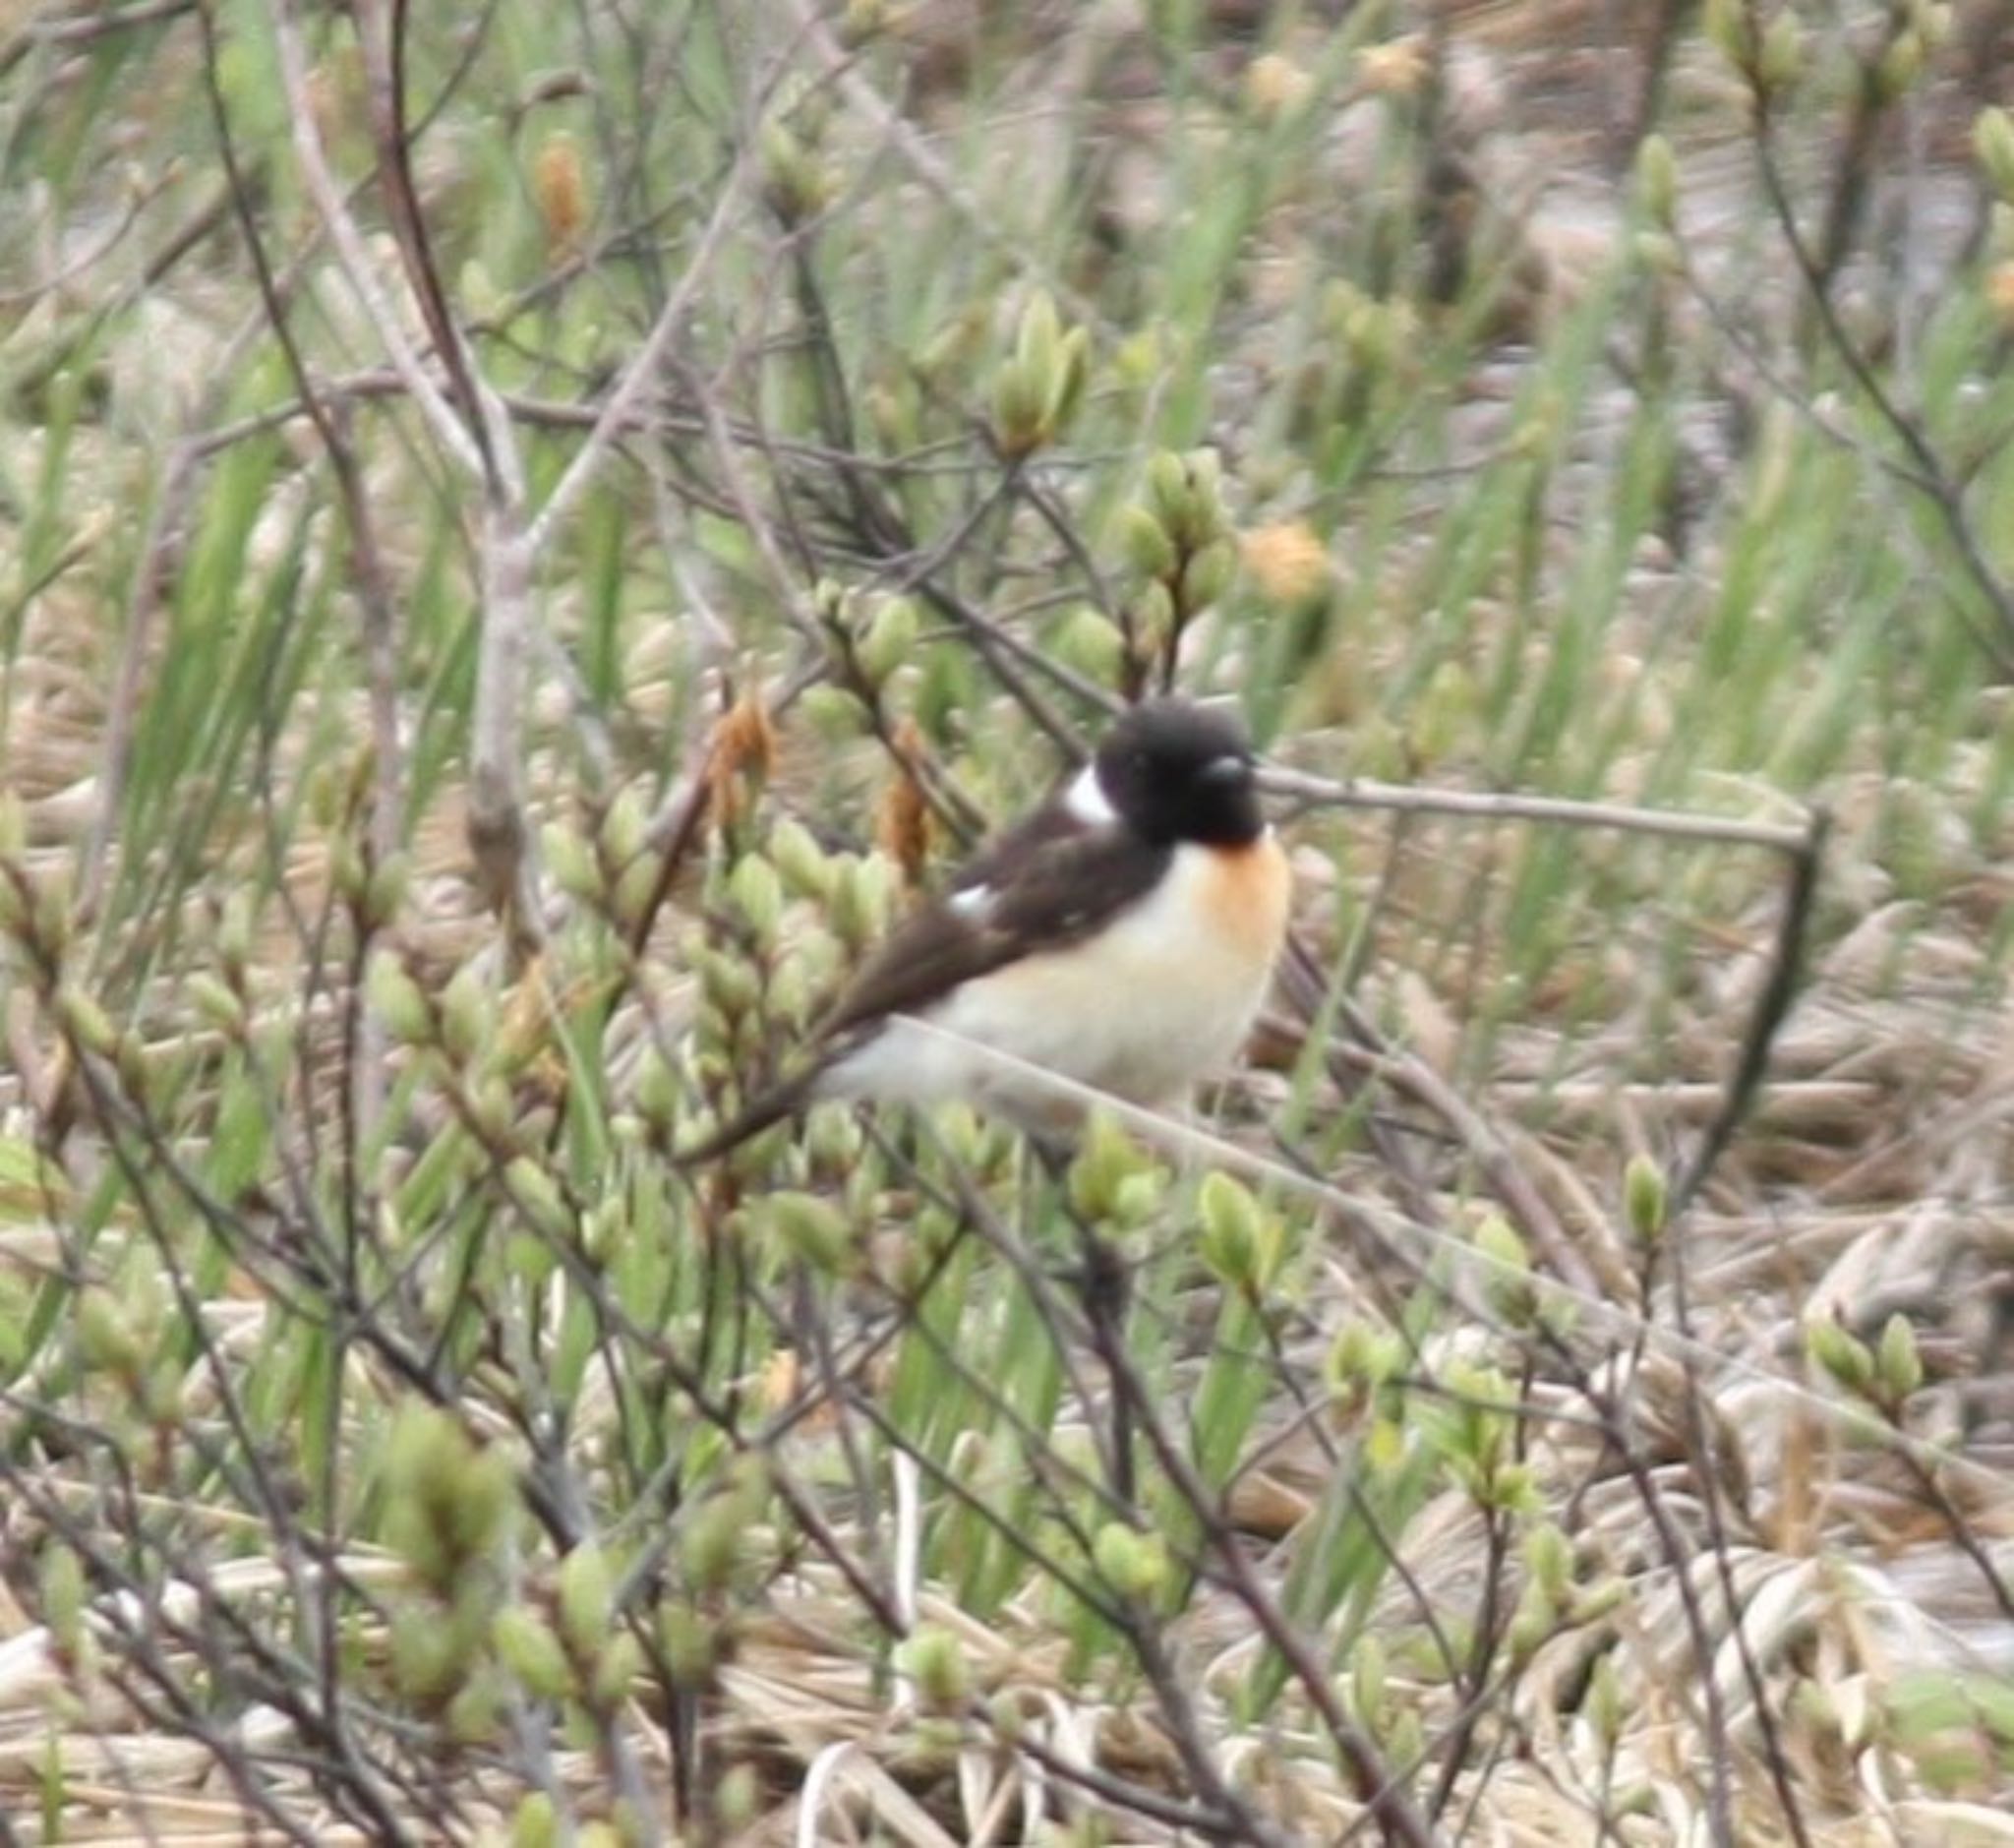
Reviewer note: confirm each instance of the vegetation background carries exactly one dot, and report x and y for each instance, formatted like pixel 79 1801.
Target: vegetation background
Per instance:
pixel 529 528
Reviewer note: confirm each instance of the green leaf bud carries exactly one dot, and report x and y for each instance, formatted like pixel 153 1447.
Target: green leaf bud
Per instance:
pixel 636 887
pixel 1898 1364
pixel 234 935
pixel 1644 1199
pixel 216 1005
pixel 714 1543
pixel 889 639
pixel 1780 59
pixel 527 1647
pixel 84 1021
pixel 1133 1563
pixel 587 1598
pixel 429 1662
pixel 571 860
pixel 862 896
pixel 1071 374
pixel 486 1492
pixel 1657 181
pixel 1993 146
pixel 384 891
pixel 1604 1708
pixel 1506 1279
pixel 1591 1604
pixel 605 1228
pixel 1932 21
pixel 1139 1197
pixel 730 984
pixel 692 1643
pixel 536 1823
pixel 1731 29
pixel 1153 614
pixel 834 1141
pixel 1238 1244
pixel 60 1584
pixel 347 872
pixel 1149 549
pixel 617 1667
pixel 1020 410
pixel 1207 575
pixel 1038 339
pixel 1839 1353
pixel 1105 1158
pixel 51 910
pixel 1090 644
pixel 1536 1618
pixel 1499 1243
pixel 107 1340
pixel 492 1112
pixel 805 867
pixel 624 829
pixel 467 1012
pixel 934 1659
pixel 395 998
pixel 791 996
pixel 796 187
pixel 811 1226
pixel 538 1197
pixel 1902 63
pixel 1167 490
pixel 1513 1488
pixel 1365 1356
pixel 657 1091
pixel 755 891
pixel 1549 1554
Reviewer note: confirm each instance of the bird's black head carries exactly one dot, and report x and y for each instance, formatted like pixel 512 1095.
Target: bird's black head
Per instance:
pixel 1181 772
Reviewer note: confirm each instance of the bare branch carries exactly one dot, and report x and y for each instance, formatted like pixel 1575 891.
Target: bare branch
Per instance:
pixel 333 208
pixel 1319 792
pixel 644 368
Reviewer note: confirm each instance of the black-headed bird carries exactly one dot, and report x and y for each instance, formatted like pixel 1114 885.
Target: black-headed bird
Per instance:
pixel 1121 936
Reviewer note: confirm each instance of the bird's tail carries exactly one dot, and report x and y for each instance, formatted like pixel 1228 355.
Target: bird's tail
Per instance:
pixel 771 1106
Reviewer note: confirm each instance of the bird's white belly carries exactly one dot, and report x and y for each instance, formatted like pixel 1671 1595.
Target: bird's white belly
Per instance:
pixel 1161 997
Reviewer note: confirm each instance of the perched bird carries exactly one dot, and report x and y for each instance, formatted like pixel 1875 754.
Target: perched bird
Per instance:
pixel 1121 936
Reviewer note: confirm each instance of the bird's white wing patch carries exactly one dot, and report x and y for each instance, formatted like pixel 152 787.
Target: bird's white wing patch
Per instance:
pixel 973 903
pixel 1086 798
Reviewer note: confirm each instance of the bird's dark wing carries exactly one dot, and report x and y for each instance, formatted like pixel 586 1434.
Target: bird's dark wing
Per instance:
pixel 1042 887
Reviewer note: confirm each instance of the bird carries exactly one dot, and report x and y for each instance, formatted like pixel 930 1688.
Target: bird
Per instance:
pixel 1121 936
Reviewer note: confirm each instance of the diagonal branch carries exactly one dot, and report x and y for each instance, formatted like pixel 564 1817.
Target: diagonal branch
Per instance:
pixel 347 238
pixel 620 403
pixel 384 41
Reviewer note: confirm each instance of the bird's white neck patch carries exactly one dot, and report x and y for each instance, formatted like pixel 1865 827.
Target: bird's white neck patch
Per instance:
pixel 1086 798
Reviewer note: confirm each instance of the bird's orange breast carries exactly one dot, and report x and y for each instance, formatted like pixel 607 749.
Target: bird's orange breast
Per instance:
pixel 1248 898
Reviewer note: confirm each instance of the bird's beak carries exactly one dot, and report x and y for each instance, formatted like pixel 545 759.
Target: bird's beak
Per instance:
pixel 1225 772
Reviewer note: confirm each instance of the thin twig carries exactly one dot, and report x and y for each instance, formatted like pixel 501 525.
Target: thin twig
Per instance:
pixel 1772 1004
pixel 1320 791
pixel 1944 497
pixel 347 238
pixel 645 366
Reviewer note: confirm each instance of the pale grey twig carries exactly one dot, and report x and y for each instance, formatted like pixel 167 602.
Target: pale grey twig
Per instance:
pixel 1320 791
pixel 347 238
